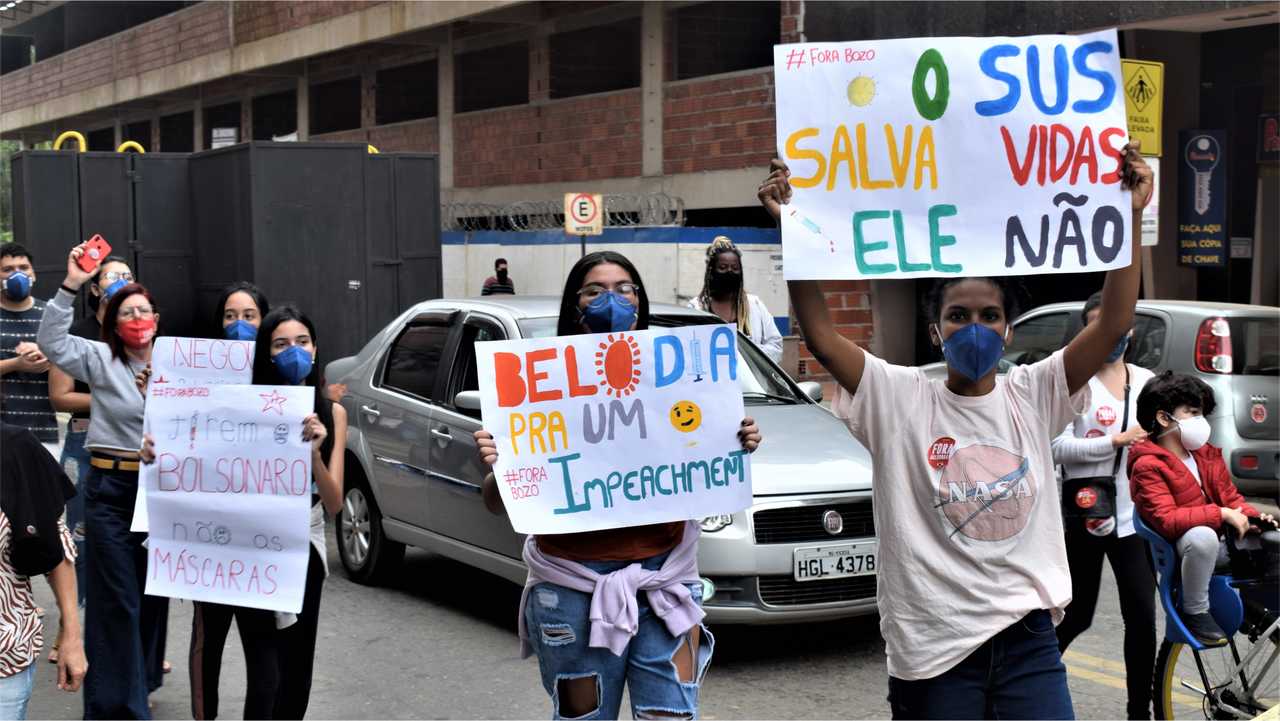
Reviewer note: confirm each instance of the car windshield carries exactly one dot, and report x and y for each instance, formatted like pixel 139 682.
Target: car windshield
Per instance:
pixel 763 383
pixel 1255 346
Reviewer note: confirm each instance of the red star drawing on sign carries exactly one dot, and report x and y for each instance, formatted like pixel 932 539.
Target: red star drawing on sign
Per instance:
pixel 275 402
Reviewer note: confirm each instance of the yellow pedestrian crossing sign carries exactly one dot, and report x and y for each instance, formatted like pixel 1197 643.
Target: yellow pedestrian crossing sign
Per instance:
pixel 1144 102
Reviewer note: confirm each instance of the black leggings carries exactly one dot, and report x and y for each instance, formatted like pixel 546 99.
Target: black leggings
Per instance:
pixel 1136 583
pixel 278 662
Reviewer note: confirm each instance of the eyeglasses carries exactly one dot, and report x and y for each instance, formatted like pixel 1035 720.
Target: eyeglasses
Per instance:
pixel 114 275
pixel 138 311
pixel 593 291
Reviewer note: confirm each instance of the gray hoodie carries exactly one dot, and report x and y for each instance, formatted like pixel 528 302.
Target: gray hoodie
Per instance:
pixel 115 404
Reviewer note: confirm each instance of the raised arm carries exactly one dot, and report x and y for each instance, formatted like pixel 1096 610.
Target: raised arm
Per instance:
pixel 72 354
pixel 1089 349
pixel 843 358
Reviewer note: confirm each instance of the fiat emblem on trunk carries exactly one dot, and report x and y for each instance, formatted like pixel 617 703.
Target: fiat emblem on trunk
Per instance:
pixel 833 522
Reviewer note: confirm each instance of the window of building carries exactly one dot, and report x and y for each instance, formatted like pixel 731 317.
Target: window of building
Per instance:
pixel 492 77
pixel 139 132
pixel 102 139
pixel 406 93
pixel 721 37
pixel 414 360
pixel 224 119
pixel 595 59
pixel 335 106
pixel 177 133
pixel 275 115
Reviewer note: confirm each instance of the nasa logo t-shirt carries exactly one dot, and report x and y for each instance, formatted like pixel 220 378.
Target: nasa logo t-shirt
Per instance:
pixel 966 506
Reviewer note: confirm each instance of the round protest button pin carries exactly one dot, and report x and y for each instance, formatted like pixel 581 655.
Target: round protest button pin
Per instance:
pixel 940 452
pixel 1086 498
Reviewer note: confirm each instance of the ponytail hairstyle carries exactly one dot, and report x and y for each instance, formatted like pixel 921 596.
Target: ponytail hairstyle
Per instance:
pixel 722 244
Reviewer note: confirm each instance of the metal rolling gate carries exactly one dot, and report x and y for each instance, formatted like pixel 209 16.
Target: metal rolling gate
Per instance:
pixel 352 238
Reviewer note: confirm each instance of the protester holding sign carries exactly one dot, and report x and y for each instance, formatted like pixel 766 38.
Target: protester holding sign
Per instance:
pixel 965 501
pixel 589 644
pixel 724 294
pixel 240 310
pixel 1093 451
pixel 286 354
pixel 69 395
pixel 124 629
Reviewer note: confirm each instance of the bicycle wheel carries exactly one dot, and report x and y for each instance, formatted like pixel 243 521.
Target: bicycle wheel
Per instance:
pixel 1234 692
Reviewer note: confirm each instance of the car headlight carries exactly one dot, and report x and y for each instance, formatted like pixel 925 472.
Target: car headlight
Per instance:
pixel 711 524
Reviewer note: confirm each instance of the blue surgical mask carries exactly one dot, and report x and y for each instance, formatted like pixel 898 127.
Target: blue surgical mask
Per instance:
pixel 17 286
pixel 114 288
pixel 610 313
pixel 294 364
pixel 240 330
pixel 973 350
pixel 1118 350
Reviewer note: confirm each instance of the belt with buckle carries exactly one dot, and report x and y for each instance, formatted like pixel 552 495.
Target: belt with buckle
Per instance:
pixel 112 463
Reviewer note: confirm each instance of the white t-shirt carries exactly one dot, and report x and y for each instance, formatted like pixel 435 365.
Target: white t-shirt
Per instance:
pixel 1190 462
pixel 966 506
pixel 1084 448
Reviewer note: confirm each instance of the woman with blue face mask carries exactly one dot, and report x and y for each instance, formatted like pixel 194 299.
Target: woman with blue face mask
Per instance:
pixel 973 568
pixel 240 310
pixel 661 668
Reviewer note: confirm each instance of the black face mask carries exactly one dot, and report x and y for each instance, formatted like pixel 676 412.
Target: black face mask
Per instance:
pixel 725 283
pixel 502 274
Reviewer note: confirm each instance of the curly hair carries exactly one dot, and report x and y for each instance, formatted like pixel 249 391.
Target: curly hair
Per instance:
pixel 1169 391
pixel 722 244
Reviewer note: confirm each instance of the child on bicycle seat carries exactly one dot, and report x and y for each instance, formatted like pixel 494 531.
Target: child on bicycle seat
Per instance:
pixel 1181 488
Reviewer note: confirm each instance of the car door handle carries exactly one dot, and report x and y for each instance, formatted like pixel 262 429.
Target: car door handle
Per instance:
pixel 443 434
pixel 371 411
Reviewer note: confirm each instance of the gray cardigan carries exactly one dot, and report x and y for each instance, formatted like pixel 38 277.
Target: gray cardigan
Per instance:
pixel 115 405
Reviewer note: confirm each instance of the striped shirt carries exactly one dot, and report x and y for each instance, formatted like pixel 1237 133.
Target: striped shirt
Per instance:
pixel 21 630
pixel 493 286
pixel 24 397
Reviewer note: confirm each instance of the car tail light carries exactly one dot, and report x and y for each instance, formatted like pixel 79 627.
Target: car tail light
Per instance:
pixel 1249 463
pixel 1213 346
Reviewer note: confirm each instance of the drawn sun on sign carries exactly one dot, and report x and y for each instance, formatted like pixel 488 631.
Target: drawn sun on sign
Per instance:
pixel 618 365
pixel 861 91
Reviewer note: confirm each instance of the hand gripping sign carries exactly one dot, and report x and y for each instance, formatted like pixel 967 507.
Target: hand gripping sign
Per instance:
pixel 616 429
pixel 230 496
pixel 953 156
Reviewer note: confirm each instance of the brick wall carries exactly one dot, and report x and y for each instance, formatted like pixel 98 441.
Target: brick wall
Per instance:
pixel 720 123
pixel 255 19
pixel 849 302
pixel 792 30
pixel 587 138
pixel 414 136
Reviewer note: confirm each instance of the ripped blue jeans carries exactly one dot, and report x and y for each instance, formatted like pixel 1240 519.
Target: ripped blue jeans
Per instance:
pixel 559 627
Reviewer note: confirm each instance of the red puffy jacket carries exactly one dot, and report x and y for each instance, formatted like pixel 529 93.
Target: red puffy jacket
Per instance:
pixel 1167 496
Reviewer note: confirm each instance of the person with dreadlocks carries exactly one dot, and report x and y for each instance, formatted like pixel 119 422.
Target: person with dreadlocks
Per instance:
pixel 723 294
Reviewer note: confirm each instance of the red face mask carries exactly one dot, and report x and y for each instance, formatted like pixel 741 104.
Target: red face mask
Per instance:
pixel 137 332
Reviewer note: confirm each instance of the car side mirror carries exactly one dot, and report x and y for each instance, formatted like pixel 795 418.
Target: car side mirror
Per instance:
pixel 468 400
pixel 812 389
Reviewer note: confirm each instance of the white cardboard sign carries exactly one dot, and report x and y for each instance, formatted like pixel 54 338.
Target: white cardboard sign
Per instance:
pixel 177 362
pixel 616 429
pixel 953 156
pixel 230 496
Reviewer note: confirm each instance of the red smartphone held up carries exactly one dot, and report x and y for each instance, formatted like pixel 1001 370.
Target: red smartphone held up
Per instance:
pixel 95 251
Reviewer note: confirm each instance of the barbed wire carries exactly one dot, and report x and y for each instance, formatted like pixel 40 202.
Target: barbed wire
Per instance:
pixel 621 210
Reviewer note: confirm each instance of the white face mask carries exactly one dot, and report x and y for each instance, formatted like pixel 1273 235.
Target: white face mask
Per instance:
pixel 1194 432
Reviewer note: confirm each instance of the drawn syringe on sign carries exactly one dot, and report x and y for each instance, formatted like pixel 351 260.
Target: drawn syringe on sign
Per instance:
pixel 194 417
pixel 812 227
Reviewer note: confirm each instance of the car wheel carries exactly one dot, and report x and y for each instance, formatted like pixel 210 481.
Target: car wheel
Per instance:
pixel 367 554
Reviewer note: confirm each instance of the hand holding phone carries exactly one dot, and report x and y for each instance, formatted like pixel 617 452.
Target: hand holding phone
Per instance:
pixel 96 250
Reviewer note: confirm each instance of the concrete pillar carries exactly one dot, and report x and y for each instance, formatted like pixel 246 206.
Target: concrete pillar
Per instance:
pixel 444 111
pixel 154 145
pixel 117 131
pixel 197 125
pixel 651 103
pixel 368 97
pixel 304 108
pixel 539 66
pixel 246 116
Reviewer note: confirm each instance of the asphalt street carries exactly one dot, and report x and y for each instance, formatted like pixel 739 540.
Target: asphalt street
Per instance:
pixel 441 643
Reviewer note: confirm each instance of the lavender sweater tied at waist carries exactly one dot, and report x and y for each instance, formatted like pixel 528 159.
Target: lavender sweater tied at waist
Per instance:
pixel 615 613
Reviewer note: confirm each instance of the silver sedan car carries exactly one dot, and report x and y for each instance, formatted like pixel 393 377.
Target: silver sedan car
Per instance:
pixel 806 549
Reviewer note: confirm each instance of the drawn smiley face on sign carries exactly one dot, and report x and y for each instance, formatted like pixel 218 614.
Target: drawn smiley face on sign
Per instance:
pixel 686 416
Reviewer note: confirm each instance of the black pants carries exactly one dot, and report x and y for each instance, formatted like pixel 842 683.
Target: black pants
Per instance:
pixel 1136 582
pixel 278 662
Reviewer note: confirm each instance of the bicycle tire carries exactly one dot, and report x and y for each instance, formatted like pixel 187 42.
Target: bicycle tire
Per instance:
pixel 1163 680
